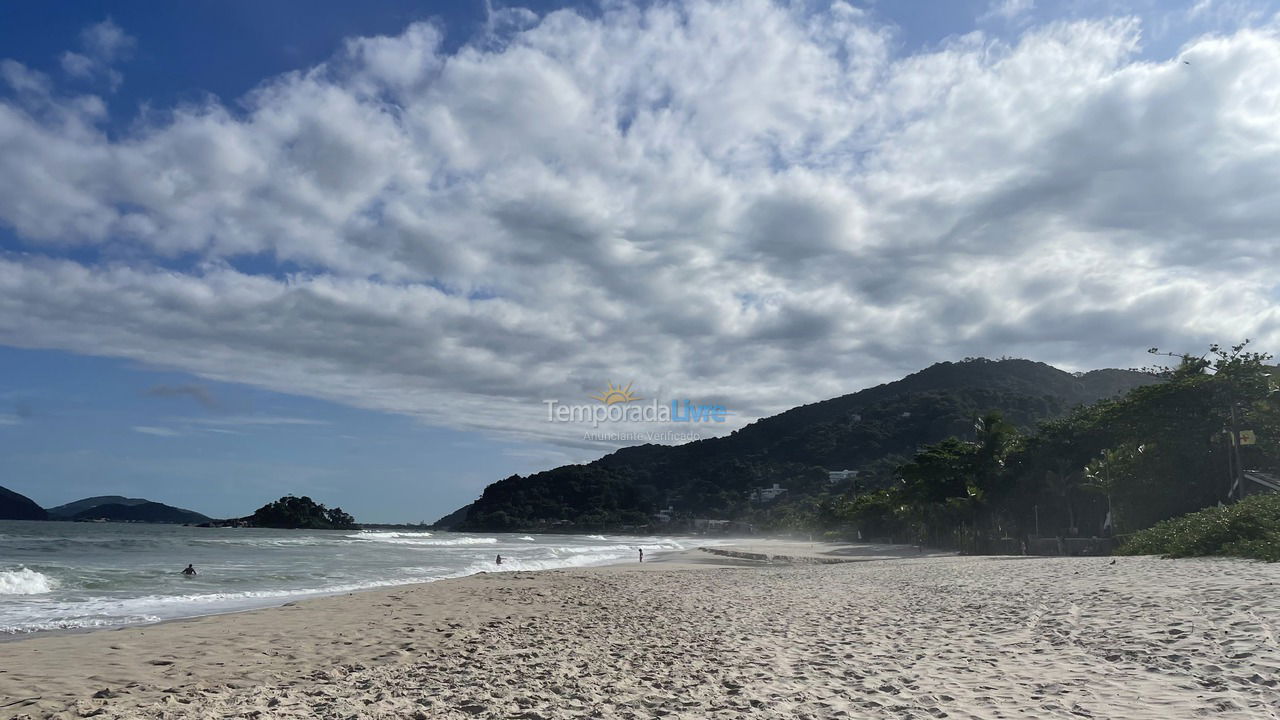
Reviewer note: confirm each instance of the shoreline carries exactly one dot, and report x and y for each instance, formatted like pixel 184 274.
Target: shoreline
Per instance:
pixel 796 548
pixel 74 657
pixel 699 635
pixel 268 598
pixel 286 600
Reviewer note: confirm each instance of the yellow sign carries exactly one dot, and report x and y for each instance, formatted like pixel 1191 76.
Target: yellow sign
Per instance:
pixel 616 395
pixel 1248 438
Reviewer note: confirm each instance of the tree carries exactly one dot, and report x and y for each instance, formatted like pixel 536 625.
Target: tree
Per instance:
pixel 291 512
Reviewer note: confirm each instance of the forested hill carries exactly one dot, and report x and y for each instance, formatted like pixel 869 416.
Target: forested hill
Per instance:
pixel 872 431
pixel 18 507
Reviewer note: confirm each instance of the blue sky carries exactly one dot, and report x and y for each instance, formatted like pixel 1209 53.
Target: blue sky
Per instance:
pixel 188 50
pixel 80 415
pixel 81 426
pixel 348 251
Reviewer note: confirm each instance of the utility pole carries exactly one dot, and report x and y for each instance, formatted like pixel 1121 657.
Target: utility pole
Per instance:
pixel 1237 477
pixel 1231 467
pixel 1111 518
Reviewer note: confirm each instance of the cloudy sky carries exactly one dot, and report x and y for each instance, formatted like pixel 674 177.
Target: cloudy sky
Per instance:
pixel 243 254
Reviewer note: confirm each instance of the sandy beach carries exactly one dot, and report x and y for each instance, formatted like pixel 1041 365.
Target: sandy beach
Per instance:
pixel 701 636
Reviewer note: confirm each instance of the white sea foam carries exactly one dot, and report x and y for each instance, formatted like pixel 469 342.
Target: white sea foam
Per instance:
pixel 25 581
pixel 381 535
pixel 76 623
pixel 271 541
pixel 126 578
pixel 510 564
pixel 425 539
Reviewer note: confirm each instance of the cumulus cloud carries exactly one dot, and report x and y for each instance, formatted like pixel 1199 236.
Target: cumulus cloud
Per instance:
pixel 736 201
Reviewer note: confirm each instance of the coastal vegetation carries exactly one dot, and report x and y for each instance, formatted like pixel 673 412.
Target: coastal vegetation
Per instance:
pixel 1249 529
pixel 979 456
pixel 1110 468
pixel 299 513
pixel 873 432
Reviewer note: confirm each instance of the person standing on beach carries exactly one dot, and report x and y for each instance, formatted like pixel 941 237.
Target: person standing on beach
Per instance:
pixel 641 554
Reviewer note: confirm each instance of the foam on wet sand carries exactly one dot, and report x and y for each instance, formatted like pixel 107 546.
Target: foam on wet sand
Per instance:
pixel 705 637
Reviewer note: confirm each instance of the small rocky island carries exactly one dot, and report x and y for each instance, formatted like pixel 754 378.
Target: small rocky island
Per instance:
pixel 292 513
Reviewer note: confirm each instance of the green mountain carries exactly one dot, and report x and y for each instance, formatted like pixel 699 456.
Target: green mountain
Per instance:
pixel 144 512
pixel 116 508
pixel 872 431
pixel 72 509
pixel 19 507
pixel 454 519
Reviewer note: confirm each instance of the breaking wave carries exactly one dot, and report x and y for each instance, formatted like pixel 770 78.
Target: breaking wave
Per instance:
pixel 25 581
pixel 422 539
pixel 96 576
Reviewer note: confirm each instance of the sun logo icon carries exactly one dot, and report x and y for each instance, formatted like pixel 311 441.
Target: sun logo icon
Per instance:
pixel 616 395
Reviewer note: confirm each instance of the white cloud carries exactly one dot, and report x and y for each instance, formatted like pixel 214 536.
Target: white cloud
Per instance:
pixel 1007 10
pixel 78 65
pixel 103 44
pixel 1227 13
pixel 152 430
pixel 252 420
pixel 714 200
pixel 107 41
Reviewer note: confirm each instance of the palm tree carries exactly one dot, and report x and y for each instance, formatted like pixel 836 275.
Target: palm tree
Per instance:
pixel 1063 482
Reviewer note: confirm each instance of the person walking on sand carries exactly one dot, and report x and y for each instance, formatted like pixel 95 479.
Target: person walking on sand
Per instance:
pixel 189 570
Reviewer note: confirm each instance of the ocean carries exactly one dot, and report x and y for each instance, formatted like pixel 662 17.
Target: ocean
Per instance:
pixel 61 575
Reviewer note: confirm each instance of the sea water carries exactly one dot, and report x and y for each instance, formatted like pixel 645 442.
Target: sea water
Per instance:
pixel 61 575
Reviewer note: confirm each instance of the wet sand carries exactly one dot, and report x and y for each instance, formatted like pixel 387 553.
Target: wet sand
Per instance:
pixel 699 636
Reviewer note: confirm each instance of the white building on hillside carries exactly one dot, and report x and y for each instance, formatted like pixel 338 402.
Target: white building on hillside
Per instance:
pixel 837 476
pixel 767 494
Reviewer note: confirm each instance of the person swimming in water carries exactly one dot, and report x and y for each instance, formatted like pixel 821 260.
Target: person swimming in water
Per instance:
pixel 189 571
pixel 499 559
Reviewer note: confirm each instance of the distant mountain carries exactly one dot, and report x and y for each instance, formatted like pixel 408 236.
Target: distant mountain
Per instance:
pixel 19 507
pixel 71 509
pixel 871 431
pixel 453 519
pixel 114 508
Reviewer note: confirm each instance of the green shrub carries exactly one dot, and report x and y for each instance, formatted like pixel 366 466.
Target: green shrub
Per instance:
pixel 1249 528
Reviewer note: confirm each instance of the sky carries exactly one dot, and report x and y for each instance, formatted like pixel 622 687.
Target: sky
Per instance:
pixel 359 250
